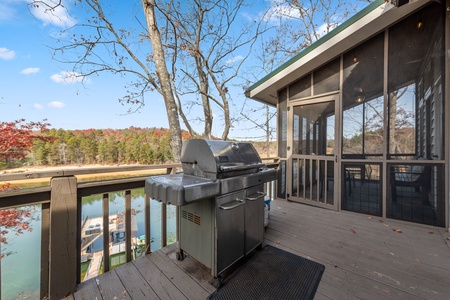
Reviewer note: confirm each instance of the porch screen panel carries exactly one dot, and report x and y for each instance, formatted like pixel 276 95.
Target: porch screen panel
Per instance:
pixel 298 177
pixel 282 123
pixel 416 193
pixel 363 129
pixel 282 142
pixel 313 129
pixel 363 100
pixel 301 88
pixel 281 180
pixel 362 188
pixel 326 79
pixel 416 71
pixel 402 122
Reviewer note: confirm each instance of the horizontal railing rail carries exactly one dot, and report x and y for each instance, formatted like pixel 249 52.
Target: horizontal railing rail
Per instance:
pixel 61 220
pixel 25 175
pixel 17 198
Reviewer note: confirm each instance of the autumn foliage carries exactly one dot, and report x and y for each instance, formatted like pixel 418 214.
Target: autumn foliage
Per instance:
pixel 16 140
pixel 17 137
pixel 16 219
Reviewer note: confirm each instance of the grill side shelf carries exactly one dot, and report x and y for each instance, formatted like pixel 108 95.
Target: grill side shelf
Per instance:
pixel 180 189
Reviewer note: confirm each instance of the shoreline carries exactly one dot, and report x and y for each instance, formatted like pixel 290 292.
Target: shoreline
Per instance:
pixel 81 178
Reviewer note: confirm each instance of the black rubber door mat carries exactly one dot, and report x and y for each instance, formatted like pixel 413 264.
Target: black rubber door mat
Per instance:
pixel 272 273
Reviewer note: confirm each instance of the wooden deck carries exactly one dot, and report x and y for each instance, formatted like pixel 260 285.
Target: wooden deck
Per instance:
pixel 365 258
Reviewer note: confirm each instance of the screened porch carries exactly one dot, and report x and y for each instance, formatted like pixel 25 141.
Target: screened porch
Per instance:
pixel 364 130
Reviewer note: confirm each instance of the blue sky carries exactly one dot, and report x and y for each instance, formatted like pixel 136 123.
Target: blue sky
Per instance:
pixel 33 87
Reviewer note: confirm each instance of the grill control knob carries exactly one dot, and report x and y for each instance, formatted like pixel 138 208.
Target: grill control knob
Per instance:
pixel 235 146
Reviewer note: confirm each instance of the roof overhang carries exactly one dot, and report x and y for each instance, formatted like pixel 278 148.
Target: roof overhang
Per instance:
pixel 368 22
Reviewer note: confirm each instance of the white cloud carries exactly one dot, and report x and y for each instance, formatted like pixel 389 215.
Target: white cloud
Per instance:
pixel 56 104
pixel 6 11
pixel 7 54
pixel 234 59
pixel 321 31
pixel 66 77
pixel 52 13
pixel 28 71
pixel 279 9
pixel 37 106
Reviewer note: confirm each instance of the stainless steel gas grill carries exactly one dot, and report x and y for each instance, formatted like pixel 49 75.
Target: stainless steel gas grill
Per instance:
pixel 221 199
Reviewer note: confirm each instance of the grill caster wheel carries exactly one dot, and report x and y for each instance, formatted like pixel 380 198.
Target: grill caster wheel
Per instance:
pixel 217 282
pixel 180 256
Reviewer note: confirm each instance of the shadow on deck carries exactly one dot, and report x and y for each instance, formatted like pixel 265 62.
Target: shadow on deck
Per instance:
pixel 366 257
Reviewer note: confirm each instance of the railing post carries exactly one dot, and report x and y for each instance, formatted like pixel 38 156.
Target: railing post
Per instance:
pixel 163 225
pixel 106 237
pixel 177 223
pixel 63 237
pixel 148 241
pixel 45 223
pixel 128 225
pixel 164 217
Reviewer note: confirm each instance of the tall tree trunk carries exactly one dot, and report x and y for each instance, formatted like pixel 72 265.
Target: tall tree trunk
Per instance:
pixel 227 119
pixel 164 79
pixel 392 123
pixel 204 91
pixel 267 131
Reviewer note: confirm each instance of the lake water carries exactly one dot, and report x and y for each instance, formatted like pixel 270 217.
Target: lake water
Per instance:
pixel 20 271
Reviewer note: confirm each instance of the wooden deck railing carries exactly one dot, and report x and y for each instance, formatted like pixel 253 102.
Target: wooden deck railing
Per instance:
pixel 61 220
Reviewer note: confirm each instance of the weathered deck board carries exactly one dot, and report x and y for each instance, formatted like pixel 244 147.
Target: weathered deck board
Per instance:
pixel 136 285
pixel 88 290
pixel 111 286
pixel 196 271
pixel 392 252
pixel 363 255
pixel 160 283
pixel 154 276
pixel 190 288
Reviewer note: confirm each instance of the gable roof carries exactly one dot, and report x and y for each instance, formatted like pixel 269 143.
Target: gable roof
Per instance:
pixel 368 22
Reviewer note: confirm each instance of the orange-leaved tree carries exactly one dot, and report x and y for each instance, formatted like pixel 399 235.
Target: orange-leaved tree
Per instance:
pixel 17 137
pixel 16 140
pixel 14 219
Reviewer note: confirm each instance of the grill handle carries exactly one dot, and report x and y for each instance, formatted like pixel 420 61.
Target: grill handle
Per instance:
pixel 239 168
pixel 240 202
pixel 260 194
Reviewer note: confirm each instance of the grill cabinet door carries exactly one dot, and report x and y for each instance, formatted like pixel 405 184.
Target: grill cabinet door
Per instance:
pixel 230 229
pixel 254 218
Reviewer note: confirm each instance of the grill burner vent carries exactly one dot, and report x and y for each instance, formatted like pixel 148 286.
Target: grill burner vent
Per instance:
pixel 190 217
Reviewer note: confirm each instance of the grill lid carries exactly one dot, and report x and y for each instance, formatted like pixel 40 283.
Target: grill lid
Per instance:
pixel 219 159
